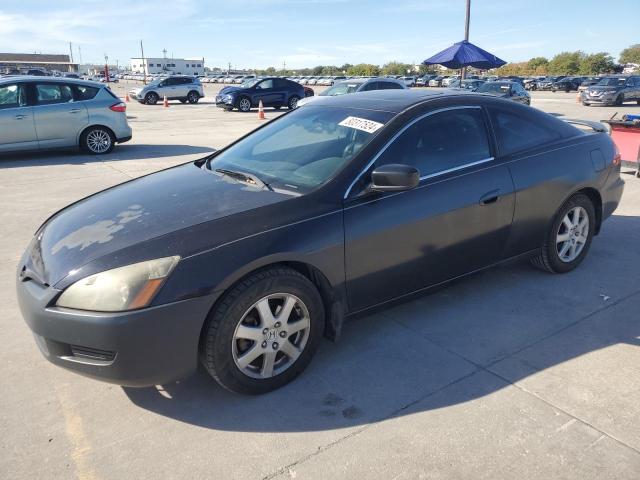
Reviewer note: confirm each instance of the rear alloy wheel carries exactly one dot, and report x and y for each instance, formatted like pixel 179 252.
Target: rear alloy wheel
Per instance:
pixel 570 236
pixel 293 102
pixel 264 332
pixel 97 140
pixel 193 97
pixel 151 98
pixel 244 104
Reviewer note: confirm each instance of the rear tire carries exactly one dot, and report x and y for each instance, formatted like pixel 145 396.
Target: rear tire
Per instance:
pixel 619 100
pixel 193 97
pixel 235 349
pixel 97 140
pixel 568 239
pixel 293 102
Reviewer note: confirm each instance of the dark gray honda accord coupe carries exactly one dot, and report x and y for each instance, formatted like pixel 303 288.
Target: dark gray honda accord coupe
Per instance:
pixel 245 259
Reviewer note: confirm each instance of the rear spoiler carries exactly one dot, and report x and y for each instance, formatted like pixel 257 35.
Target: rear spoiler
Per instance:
pixel 596 126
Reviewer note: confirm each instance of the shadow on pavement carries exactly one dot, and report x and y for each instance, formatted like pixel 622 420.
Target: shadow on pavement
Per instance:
pixel 515 318
pixel 120 152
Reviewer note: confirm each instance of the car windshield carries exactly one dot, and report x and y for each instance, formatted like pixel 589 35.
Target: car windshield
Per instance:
pixel 612 81
pixel 303 149
pixel 340 89
pixel 250 82
pixel 492 87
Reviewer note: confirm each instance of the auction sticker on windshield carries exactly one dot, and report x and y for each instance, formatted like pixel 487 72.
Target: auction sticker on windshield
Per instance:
pixel 361 124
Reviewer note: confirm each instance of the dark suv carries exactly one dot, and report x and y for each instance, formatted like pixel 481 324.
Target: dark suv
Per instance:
pixel 273 91
pixel 567 84
pixel 614 90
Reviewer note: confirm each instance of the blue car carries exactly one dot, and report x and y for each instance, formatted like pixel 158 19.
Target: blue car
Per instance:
pixel 273 91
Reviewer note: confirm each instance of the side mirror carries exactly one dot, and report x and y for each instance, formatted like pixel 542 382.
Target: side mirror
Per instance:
pixel 394 178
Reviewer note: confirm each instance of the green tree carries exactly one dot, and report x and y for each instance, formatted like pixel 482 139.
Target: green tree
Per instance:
pixel 596 64
pixel 396 68
pixel 566 63
pixel 537 64
pixel 631 54
pixel 364 69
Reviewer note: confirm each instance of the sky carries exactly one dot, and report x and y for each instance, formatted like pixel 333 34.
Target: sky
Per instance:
pixel 306 33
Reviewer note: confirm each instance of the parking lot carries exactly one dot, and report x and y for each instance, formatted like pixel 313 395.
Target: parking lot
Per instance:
pixel 509 373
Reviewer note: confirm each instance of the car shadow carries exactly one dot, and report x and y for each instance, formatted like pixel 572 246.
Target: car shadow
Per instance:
pixel 120 152
pixel 513 321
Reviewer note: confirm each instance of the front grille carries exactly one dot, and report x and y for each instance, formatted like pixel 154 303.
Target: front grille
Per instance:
pixel 92 353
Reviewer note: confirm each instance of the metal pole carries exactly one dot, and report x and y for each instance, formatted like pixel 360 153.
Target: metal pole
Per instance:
pixel 463 73
pixel 144 65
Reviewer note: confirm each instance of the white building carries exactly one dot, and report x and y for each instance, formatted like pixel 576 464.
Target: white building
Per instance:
pixel 177 66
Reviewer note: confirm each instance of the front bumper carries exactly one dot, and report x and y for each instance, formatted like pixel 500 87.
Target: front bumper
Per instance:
pixel 223 102
pixel 602 99
pixel 136 95
pixel 144 347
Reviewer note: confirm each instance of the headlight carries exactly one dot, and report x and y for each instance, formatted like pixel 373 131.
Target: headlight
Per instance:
pixel 120 289
pixel 228 98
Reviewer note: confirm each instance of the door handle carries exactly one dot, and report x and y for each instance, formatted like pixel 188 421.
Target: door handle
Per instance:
pixel 490 197
pixel 20 117
pixel 75 110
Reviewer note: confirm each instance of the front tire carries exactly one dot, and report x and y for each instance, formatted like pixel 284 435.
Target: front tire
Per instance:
pixel 151 98
pixel 569 238
pixel 97 140
pixel 264 332
pixel 244 104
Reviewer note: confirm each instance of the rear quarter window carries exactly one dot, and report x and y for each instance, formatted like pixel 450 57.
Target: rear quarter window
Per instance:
pixel 522 130
pixel 85 92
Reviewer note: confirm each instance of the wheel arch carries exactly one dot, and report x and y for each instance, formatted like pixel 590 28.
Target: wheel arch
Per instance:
pixel 596 199
pixel 333 301
pixel 93 125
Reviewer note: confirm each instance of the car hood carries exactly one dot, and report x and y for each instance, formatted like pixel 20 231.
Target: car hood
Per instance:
pixel 135 212
pixel 603 88
pixel 227 90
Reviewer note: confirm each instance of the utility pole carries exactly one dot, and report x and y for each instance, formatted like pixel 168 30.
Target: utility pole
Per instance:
pixel 463 74
pixel 144 64
pixel 79 55
pixel 70 68
pixel 164 65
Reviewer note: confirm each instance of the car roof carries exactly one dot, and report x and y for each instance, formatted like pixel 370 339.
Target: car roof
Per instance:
pixel 392 101
pixel 38 78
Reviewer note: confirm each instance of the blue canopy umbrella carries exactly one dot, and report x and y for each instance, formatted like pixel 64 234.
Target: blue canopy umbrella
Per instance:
pixel 464 54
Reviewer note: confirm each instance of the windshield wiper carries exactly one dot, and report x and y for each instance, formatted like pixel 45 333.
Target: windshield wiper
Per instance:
pixel 245 177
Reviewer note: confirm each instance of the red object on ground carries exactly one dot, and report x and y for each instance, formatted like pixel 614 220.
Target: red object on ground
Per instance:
pixel 626 136
pixel 261 111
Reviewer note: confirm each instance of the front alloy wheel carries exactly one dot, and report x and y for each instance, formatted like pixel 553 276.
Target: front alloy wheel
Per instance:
pixel 263 332
pixel 244 105
pixel 271 335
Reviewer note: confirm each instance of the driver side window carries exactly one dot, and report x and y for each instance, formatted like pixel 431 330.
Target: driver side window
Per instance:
pixel 440 142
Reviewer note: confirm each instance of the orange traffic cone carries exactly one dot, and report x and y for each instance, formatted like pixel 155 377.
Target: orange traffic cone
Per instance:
pixel 261 111
pixel 165 102
pixel 578 98
pixel 126 97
